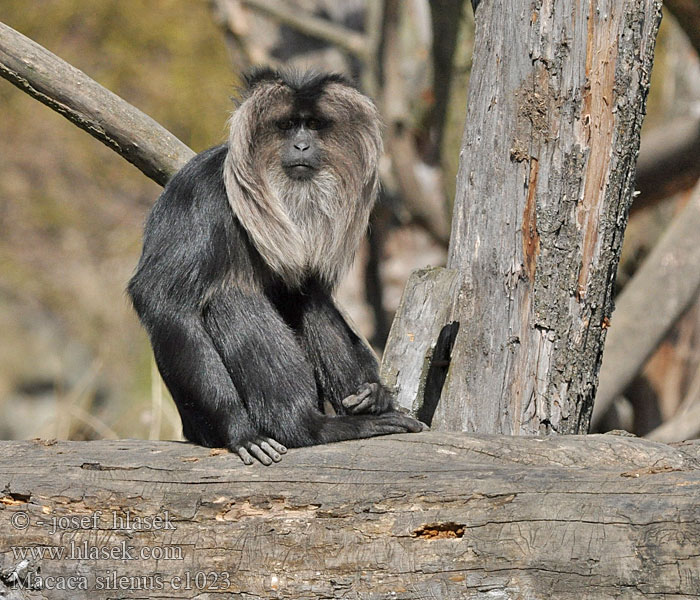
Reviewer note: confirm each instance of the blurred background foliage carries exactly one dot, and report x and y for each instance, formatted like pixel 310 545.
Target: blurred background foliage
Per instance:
pixel 72 210
pixel 74 361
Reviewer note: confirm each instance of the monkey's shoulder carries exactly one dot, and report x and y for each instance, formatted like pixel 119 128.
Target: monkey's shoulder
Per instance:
pixel 199 181
pixel 192 221
pixel 194 201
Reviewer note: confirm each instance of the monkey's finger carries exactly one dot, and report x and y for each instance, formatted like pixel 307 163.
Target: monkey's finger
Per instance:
pixel 389 428
pixel 351 402
pixel 414 426
pixel 259 453
pixel 267 449
pixel 362 398
pixel 365 405
pixel 244 455
pixel 275 444
pixel 365 390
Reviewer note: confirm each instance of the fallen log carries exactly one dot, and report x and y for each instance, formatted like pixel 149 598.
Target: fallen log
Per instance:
pixel 430 515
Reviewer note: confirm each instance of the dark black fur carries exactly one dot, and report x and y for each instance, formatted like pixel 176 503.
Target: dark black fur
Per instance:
pixel 242 354
pixel 309 84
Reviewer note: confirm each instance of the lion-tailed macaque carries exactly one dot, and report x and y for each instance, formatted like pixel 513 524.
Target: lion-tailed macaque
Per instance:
pixel 241 254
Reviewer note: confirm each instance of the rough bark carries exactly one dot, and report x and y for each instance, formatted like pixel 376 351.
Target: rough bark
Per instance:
pixel 557 96
pixel 84 102
pixel 660 292
pixel 414 516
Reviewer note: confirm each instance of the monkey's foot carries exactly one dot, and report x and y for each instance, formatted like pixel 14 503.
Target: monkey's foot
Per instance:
pixel 265 449
pixel 395 422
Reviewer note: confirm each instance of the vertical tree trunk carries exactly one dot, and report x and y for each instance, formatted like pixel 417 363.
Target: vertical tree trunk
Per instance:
pixel 556 101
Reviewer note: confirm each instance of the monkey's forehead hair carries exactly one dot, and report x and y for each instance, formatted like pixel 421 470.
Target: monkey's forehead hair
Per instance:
pixel 305 84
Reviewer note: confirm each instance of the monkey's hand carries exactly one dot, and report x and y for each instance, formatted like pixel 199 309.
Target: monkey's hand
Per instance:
pixel 370 398
pixel 265 449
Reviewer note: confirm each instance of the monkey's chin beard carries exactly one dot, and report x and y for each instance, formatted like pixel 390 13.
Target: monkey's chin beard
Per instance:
pixel 324 239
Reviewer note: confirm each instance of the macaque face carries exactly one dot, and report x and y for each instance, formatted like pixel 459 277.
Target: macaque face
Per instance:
pixel 301 153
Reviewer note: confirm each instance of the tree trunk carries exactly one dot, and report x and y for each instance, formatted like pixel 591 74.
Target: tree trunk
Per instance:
pixel 432 515
pixel 557 96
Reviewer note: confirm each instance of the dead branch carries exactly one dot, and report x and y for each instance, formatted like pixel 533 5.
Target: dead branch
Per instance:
pixel 423 197
pixel 668 161
pixel 340 36
pixel 687 13
pixel 683 426
pixel 116 123
pixel 668 155
pixel 651 303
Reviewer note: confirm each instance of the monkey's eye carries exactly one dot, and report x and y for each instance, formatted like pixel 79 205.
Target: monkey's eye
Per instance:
pixel 316 124
pixel 285 124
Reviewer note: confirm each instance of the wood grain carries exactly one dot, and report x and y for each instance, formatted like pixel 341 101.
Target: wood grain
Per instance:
pixel 430 515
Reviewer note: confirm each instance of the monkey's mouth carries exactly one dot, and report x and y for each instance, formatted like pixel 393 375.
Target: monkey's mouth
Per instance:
pixel 300 170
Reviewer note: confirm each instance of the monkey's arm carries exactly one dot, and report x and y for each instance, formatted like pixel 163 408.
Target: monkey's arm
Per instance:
pixel 184 256
pixel 346 369
pixel 209 404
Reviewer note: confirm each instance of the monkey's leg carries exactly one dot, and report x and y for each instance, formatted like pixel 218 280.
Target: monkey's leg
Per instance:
pixel 276 380
pixel 265 363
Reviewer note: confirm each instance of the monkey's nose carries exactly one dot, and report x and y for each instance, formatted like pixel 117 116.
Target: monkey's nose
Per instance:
pixel 301 146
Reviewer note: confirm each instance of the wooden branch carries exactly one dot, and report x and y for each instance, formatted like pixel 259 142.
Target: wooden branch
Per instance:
pixel 371 66
pixel 424 200
pixel 668 161
pixel 668 155
pixel 446 18
pixel 687 13
pixel 420 342
pixel 340 36
pixel 105 116
pixel 413 516
pixel 556 101
pixel 683 426
pixel 650 304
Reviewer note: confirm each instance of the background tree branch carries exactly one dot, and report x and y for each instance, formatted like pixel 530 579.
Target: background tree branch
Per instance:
pixel 659 293
pixel 335 34
pixel 687 13
pixel 157 153
pixel 668 161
